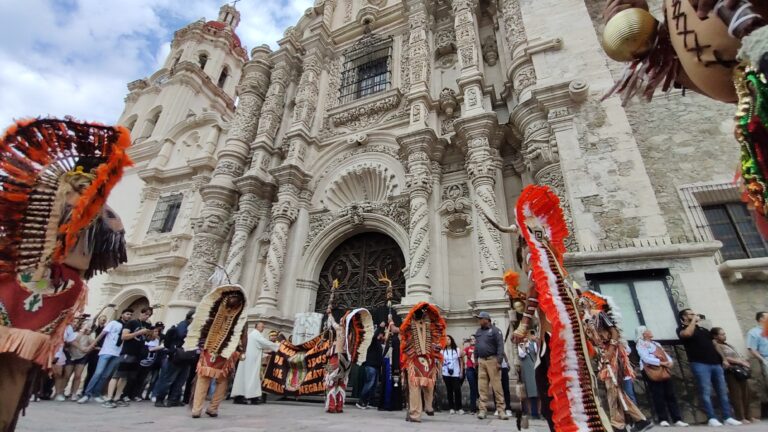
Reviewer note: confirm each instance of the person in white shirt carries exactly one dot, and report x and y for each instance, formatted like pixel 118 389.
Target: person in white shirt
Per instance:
pixel 109 357
pixel 652 354
pixel 453 374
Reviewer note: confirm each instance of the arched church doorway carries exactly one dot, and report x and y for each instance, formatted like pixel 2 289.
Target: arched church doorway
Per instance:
pixel 135 303
pixel 356 263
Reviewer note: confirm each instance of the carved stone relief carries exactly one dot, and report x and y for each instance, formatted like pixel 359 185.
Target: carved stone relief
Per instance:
pixel 490 50
pixel 456 208
pixel 552 176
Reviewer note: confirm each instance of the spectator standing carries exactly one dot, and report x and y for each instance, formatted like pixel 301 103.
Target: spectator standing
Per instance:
pixel 93 356
pixel 489 351
pixel 528 351
pixel 373 361
pixel 505 385
pixel 133 335
pixel 737 373
pixel 471 373
pixel 757 342
pixel 706 365
pixel 61 360
pixel 176 367
pixel 652 355
pixel 109 357
pixel 453 374
pixel 148 363
pixel 79 350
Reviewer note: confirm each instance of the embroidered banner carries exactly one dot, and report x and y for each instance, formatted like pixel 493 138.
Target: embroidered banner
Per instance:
pixel 296 370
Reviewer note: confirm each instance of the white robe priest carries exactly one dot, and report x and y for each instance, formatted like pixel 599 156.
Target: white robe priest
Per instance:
pixel 248 377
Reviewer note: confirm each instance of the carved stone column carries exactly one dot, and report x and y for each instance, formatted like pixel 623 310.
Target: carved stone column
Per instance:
pixel 219 196
pixel 291 182
pixel 467 43
pixel 251 210
pixel 419 72
pixel 419 147
pixel 482 163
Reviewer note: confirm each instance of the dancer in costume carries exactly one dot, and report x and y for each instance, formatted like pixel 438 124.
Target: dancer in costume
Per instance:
pixel 571 381
pixel 55 231
pixel 715 48
pixel 349 341
pixel 390 394
pixel 423 338
pixel 601 320
pixel 247 385
pixel 215 332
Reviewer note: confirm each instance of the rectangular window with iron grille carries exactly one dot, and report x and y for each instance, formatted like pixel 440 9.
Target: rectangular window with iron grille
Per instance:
pixel 164 217
pixel 367 68
pixel 732 224
pixel 643 298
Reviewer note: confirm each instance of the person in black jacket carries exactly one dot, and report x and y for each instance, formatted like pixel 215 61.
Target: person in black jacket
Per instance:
pixel 373 361
pixel 176 366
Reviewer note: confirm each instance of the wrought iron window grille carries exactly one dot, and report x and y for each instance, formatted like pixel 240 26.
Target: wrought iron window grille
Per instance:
pixel 367 68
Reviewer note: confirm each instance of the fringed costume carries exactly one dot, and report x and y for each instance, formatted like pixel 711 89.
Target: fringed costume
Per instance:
pixel 724 57
pixel 601 319
pixel 216 331
pixel 55 231
pixel 571 381
pixel 423 338
pixel 349 342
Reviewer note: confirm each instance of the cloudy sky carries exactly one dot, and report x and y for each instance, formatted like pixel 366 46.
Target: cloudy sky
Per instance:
pixel 61 57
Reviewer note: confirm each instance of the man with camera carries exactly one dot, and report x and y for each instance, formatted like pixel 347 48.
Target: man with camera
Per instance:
pixel 706 365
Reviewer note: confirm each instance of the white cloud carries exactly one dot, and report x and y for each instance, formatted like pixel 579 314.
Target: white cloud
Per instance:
pixel 74 57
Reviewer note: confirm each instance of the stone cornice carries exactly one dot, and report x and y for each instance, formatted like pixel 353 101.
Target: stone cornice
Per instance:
pixel 754 269
pixel 291 175
pixel 468 128
pixel 633 254
pixel 256 185
pixel 144 150
pixel 422 140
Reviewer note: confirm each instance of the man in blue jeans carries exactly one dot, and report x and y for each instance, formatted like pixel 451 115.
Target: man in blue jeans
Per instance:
pixel 373 361
pixel 109 357
pixel 706 365
pixel 174 371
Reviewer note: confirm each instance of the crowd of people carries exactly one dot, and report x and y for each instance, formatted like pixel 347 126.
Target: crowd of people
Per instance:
pixel 129 359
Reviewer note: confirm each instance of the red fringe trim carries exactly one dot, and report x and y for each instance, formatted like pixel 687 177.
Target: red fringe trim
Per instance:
pixel 437 331
pixel 94 198
pixel 545 205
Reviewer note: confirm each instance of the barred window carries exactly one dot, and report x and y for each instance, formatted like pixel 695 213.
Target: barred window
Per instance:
pixel 367 68
pixel 165 214
pixel 732 224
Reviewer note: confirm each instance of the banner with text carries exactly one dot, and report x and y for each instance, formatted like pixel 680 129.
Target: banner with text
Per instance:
pixel 296 370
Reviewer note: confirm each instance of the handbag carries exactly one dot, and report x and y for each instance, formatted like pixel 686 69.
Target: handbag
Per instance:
pixel 657 373
pixel 740 372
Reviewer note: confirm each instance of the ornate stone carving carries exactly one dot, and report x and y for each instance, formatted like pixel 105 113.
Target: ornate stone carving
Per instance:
pixel 202 262
pixel 285 210
pixel 552 176
pixel 513 23
pixel 472 97
pixel 272 110
pixel 213 224
pixel 396 210
pixel 364 182
pixel 446 126
pixel 374 148
pixel 419 64
pixel 448 102
pixel 539 146
pixel 246 220
pixel 445 42
pixel 357 116
pixel 479 162
pixel 490 50
pixel 278 244
pixel 524 78
pixel 456 208
pixel 466 36
pixel 245 124
pixel 229 168
pixel 307 93
pixel 347 10
pixel 405 85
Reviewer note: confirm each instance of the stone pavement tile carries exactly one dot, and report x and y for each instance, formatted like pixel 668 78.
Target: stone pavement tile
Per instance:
pixel 275 416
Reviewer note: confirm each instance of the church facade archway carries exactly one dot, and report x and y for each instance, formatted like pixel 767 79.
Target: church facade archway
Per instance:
pixel 356 263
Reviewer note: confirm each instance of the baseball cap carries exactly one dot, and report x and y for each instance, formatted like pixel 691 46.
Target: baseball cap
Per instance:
pixel 483 315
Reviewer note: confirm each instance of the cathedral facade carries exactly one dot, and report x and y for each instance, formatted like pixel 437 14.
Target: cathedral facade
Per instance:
pixel 376 135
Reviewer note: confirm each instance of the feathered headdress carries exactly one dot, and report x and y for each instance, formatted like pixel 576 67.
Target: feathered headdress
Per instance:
pixel 205 314
pixel 41 162
pixel 512 280
pixel 358 325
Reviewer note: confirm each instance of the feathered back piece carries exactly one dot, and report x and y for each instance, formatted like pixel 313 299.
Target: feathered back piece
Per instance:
pixel 512 280
pixel 358 325
pixel 224 335
pixel 575 403
pixel 436 334
pixel 538 210
pixel 42 163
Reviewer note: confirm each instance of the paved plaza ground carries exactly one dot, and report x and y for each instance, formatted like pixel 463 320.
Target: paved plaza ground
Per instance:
pixel 275 416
